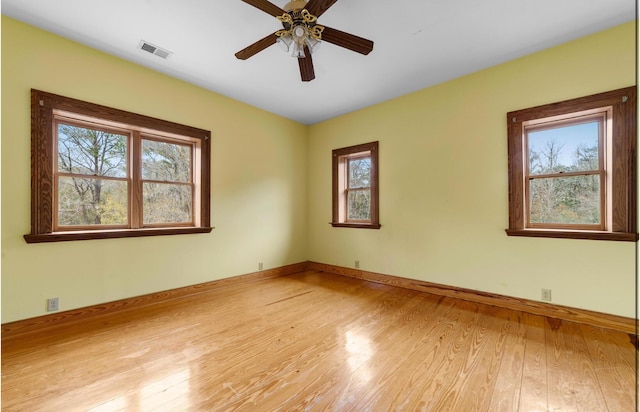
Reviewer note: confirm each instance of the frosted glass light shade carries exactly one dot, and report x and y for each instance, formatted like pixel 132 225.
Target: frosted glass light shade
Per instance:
pixel 284 42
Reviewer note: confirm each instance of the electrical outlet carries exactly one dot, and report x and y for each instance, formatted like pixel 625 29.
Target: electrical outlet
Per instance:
pixel 546 295
pixel 52 304
pixel 260 266
pixel 357 264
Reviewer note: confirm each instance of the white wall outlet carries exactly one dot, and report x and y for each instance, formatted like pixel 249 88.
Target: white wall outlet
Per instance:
pixel 357 264
pixel 52 304
pixel 260 266
pixel 546 295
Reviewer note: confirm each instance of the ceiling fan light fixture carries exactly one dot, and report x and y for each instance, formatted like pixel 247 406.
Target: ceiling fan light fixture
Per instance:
pixel 299 33
pixel 312 44
pixel 284 42
pixel 298 51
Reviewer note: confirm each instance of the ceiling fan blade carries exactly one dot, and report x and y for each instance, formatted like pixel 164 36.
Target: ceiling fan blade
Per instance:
pixel 257 47
pixel 266 7
pixel 306 66
pixel 346 40
pixel 318 7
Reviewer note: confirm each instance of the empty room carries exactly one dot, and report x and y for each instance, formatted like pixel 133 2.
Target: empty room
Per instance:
pixel 319 205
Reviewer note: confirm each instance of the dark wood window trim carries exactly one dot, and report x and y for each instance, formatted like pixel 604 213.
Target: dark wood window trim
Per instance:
pixel 338 208
pixel 43 106
pixel 623 224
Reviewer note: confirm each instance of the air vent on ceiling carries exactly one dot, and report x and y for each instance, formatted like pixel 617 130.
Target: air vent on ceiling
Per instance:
pixel 153 49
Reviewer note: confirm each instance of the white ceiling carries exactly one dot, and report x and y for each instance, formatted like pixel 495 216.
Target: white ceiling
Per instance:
pixel 418 43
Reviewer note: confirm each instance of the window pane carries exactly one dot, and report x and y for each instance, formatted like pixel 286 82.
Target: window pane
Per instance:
pixel 564 149
pixel 166 203
pixel 565 200
pixel 167 162
pixel 91 152
pixel 84 202
pixel 359 172
pixel 359 205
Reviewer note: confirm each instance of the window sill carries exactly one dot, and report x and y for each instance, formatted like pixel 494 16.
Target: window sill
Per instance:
pixel 357 225
pixel 111 234
pixel 567 234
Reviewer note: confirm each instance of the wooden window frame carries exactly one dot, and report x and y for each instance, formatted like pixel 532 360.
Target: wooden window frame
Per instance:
pixel 340 184
pixel 46 107
pixel 618 157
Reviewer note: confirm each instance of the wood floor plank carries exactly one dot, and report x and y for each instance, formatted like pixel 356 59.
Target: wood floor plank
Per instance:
pixel 533 387
pixel 317 341
pixel 571 378
pixel 506 393
pixel 614 367
pixel 587 389
pixel 560 390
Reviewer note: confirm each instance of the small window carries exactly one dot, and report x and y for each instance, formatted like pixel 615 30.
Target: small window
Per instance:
pixel 571 168
pixel 355 186
pixel 99 172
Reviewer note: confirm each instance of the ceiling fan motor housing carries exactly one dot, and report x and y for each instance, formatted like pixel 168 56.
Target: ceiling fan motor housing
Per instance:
pixel 299 18
pixel 295 5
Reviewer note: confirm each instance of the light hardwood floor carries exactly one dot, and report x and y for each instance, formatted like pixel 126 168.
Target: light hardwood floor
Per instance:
pixel 316 341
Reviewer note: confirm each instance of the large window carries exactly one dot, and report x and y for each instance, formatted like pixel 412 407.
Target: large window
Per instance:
pixel 355 186
pixel 99 172
pixel 572 168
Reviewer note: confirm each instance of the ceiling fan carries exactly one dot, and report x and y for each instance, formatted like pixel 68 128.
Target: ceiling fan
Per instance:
pixel 302 34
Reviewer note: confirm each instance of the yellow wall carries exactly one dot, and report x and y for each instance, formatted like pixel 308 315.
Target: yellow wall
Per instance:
pixel 443 186
pixel 443 183
pixel 258 182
